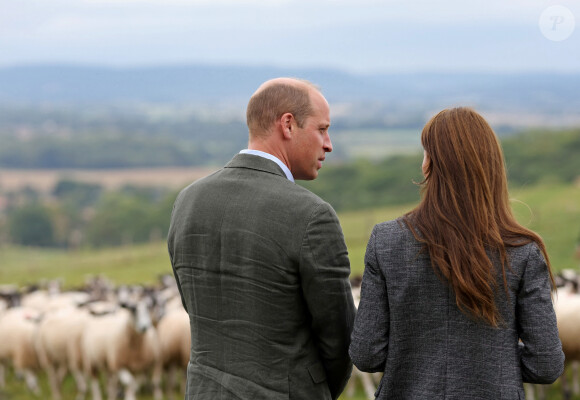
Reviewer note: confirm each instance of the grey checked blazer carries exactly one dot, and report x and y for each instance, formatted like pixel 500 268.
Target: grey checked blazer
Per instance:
pixel 263 270
pixel 409 326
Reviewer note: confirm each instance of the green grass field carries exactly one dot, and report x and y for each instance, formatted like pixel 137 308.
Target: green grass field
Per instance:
pixel 551 210
pixel 16 390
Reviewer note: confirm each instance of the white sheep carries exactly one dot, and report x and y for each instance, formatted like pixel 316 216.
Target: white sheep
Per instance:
pixel 567 308
pixel 45 301
pixel 175 343
pixel 3 306
pixel 58 345
pixel 121 344
pixel 9 297
pixel 18 326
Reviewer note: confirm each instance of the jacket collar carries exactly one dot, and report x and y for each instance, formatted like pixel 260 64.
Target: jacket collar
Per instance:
pixel 257 163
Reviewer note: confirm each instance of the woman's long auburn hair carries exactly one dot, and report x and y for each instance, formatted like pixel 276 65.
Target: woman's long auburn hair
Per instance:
pixel 465 210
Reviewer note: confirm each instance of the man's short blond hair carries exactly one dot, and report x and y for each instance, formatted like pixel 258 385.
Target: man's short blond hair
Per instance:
pixel 275 98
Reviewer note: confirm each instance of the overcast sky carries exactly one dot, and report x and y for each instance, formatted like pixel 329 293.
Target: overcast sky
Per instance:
pixel 351 35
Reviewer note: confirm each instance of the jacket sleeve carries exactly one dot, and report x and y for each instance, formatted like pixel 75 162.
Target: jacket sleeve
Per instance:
pixel 171 249
pixel 370 337
pixel 541 356
pixel 324 272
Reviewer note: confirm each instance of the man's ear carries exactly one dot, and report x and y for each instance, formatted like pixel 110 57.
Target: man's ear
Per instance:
pixel 287 124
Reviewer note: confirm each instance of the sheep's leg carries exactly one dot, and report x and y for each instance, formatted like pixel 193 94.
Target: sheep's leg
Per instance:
pixel 535 389
pixel 566 394
pixel 61 373
pixel 112 384
pixel 575 382
pixel 93 377
pixel 351 385
pixel 175 385
pixel 53 377
pixel 95 388
pixel 530 391
pixel 171 382
pixel 156 378
pixel 2 376
pixel 53 381
pixel 368 386
pixel 130 384
pixel 75 366
pixel 31 382
pixel 541 389
pixel 184 383
pixel 139 379
pixel 81 383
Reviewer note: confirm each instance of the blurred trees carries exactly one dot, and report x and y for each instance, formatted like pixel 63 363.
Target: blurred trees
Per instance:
pixel 32 225
pixel 531 158
pixel 83 214
pixel 116 137
pixel 131 215
pixel 541 156
pixel 365 184
pixel 105 152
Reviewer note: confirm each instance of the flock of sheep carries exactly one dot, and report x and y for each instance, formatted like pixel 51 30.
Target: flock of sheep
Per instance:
pixel 129 336
pixel 123 336
pixel 567 308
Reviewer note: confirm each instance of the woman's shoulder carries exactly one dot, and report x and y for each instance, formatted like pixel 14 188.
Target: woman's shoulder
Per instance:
pixel 393 230
pixel 393 225
pixel 525 252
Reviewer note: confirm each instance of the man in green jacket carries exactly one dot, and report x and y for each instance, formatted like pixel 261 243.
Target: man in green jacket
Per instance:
pixel 261 263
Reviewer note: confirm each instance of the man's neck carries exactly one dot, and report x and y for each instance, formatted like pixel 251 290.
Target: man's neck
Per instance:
pixel 273 150
pixel 271 157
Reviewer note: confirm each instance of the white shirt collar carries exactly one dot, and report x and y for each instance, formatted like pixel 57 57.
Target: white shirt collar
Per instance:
pixel 270 157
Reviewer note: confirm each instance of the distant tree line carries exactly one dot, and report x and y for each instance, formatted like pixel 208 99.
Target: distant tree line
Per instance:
pixel 543 156
pixel 364 184
pixel 107 138
pixel 531 158
pixel 102 137
pixel 80 214
pixel 108 152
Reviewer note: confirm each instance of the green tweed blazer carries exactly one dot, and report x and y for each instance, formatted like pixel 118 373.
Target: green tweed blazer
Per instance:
pixel 262 269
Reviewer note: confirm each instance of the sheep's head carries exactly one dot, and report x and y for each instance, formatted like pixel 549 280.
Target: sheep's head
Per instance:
pixel 141 315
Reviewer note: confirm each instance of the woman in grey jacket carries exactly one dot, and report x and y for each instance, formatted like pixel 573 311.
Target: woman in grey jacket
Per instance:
pixel 456 295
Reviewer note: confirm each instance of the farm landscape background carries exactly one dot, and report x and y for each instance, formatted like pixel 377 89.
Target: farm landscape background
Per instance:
pixel 91 159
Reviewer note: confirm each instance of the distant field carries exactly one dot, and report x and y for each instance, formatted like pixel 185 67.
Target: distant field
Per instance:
pixel 374 144
pixel 551 210
pixel 554 212
pixel 377 144
pixel 44 180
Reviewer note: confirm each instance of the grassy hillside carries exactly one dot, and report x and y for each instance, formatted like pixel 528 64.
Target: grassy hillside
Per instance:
pixel 551 210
